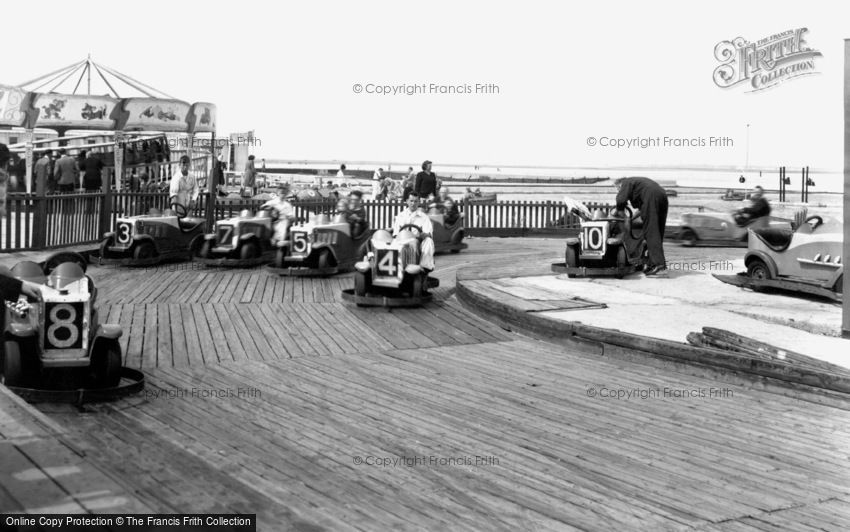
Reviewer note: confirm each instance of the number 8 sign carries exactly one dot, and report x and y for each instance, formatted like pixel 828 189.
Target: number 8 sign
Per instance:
pixel 62 318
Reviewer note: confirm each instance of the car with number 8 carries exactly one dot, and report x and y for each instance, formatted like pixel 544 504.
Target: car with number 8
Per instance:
pixel 60 331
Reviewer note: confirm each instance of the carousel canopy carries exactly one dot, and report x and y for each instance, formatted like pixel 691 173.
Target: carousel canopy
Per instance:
pixel 36 103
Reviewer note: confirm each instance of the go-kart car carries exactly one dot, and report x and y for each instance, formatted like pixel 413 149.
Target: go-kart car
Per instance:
pixel 722 229
pixel 806 260
pixel 319 247
pixel 390 275
pixel 153 237
pixel 447 237
pixel 605 246
pixel 734 195
pixel 242 241
pixel 62 330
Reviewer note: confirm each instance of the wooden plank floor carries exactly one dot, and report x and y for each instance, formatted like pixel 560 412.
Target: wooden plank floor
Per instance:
pixel 269 395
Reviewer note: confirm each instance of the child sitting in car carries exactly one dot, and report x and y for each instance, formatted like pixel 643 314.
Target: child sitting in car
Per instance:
pixel 355 214
pixel 285 213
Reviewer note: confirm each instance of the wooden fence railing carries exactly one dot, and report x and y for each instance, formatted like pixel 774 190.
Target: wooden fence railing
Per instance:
pixel 34 222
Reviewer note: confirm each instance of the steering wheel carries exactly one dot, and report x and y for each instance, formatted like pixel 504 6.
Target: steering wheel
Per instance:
pixel 817 219
pixel 273 214
pixel 180 210
pixel 416 229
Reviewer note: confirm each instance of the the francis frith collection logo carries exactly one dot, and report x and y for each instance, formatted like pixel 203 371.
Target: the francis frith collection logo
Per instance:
pixel 764 63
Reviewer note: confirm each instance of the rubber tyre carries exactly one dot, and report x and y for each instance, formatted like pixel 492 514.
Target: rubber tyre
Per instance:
pixel 757 269
pixel 13 369
pixel 279 257
pixel 362 283
pixel 455 251
pixel 249 250
pixel 206 249
pixel 106 366
pixel 195 247
pixel 324 259
pixel 571 260
pixel 104 251
pixel 688 237
pixel 143 250
pixel 416 285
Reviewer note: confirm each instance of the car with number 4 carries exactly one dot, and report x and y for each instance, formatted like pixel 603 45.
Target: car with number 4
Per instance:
pixel 390 274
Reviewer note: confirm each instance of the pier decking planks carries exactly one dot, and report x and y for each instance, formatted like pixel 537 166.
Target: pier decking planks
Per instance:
pixel 336 382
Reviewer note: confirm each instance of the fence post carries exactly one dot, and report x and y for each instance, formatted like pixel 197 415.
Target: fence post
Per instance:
pixel 39 220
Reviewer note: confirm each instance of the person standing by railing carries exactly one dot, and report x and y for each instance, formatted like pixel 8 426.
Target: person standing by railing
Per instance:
pixel 249 178
pixel 5 155
pixel 425 185
pixel 93 180
pixel 66 172
pixel 41 171
pixel 184 187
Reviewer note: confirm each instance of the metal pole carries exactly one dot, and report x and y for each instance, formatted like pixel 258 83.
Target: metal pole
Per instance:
pixel 845 315
pixel 88 75
pixel 211 187
pixel 28 156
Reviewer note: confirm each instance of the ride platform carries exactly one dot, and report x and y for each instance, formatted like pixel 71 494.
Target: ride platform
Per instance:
pixel 270 395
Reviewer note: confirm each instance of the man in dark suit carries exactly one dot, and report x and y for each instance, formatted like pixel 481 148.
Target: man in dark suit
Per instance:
pixel 650 198
pixel 66 172
pixel 94 170
pixel 425 184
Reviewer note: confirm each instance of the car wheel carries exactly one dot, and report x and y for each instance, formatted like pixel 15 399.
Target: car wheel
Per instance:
pixel 143 251
pixel 571 259
pixel 361 283
pixel 206 249
pixel 622 258
pixel 757 269
pixel 279 257
pixel 249 250
pixel 195 248
pixel 688 237
pixel 106 366
pixel 15 368
pixel 416 286
pixel 104 248
pixel 323 261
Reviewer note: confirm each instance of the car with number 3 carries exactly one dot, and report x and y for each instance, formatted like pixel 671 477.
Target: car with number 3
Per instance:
pixel 153 237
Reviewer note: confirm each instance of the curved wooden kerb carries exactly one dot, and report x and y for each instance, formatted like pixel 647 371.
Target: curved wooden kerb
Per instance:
pixel 612 342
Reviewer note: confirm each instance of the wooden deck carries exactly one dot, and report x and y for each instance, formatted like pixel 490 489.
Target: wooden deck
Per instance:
pixel 268 395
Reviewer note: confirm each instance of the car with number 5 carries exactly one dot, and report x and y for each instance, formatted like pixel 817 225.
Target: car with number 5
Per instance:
pixel 320 247
pixel 61 331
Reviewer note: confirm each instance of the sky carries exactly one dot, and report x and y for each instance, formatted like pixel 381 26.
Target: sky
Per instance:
pixel 564 71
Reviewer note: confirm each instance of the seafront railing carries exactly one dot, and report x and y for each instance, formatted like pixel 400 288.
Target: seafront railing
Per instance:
pixel 42 222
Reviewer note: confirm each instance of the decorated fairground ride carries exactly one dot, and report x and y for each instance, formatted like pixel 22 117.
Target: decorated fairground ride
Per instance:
pixel 151 128
pixel 82 359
